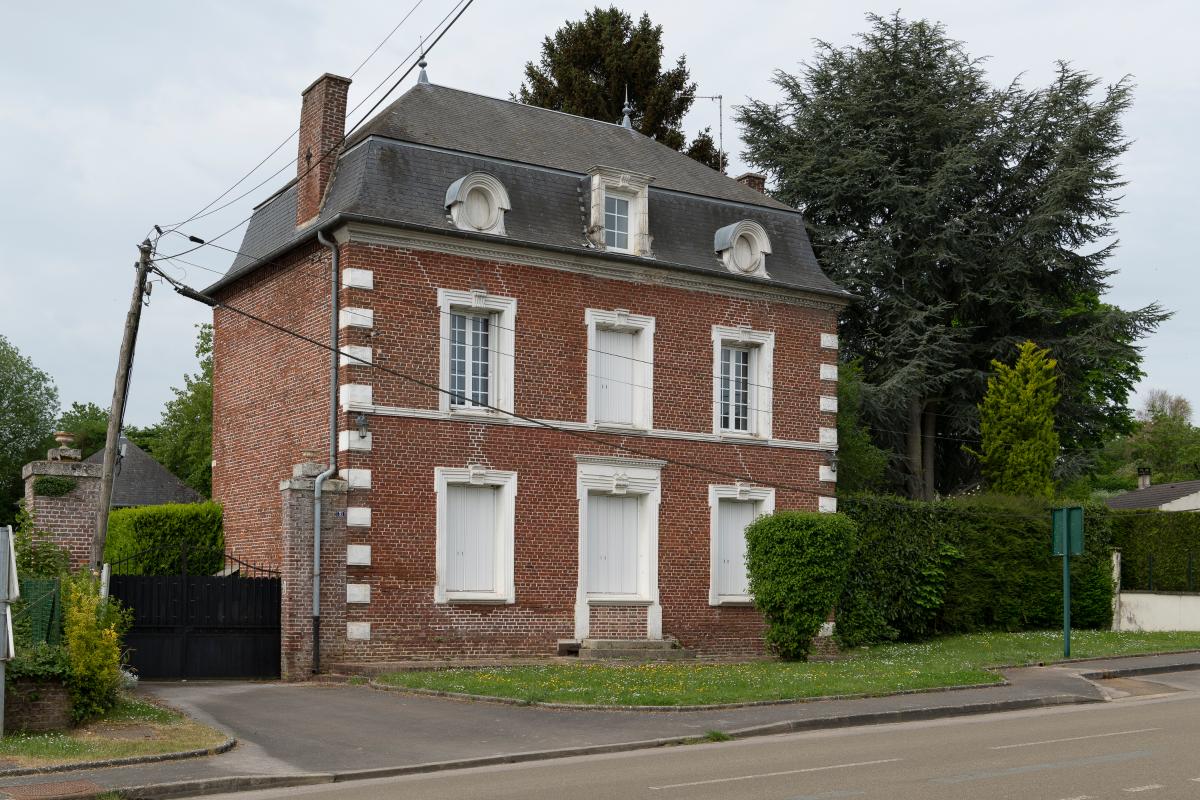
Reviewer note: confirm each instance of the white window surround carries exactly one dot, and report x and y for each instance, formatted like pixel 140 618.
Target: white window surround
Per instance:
pixel 617 476
pixel 477 202
pixel 506 483
pixel 743 248
pixel 631 186
pixel 642 362
pixel 765 498
pixel 762 344
pixel 501 345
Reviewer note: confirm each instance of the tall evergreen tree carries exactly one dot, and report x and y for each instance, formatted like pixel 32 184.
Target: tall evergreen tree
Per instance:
pixel 182 441
pixel 968 218
pixel 587 66
pixel 1016 419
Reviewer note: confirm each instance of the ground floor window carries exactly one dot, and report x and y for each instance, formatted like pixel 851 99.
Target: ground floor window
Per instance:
pixel 732 510
pixel 475 521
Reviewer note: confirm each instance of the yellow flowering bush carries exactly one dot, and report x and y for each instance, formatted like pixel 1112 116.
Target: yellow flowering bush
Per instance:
pixel 92 631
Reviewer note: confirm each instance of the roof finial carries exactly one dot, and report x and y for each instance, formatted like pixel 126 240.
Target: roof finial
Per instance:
pixel 627 110
pixel 423 77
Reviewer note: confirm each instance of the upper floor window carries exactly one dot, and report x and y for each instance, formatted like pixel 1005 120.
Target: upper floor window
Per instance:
pixel 477 340
pixel 743 248
pixel 477 202
pixel 742 381
pixel 619 218
pixel 620 368
pixel 616 222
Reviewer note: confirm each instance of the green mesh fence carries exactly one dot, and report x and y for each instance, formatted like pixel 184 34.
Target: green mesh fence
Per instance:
pixel 41 609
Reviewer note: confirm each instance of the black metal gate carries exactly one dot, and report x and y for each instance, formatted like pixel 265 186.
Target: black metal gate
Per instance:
pixel 201 626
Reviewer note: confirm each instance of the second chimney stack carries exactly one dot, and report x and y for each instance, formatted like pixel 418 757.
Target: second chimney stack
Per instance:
pixel 322 126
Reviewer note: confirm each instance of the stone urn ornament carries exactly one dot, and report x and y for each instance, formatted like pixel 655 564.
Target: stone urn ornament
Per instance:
pixel 64 438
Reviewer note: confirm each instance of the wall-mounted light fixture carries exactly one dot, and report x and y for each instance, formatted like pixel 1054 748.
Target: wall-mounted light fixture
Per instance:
pixel 361 422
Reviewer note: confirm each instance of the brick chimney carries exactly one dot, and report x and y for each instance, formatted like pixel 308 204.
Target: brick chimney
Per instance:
pixel 755 180
pixel 1143 477
pixel 322 126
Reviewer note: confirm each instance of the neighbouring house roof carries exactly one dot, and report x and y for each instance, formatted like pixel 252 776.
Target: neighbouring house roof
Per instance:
pixel 1154 496
pixel 396 169
pixel 142 481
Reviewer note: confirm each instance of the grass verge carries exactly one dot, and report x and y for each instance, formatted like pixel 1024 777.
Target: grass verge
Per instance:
pixel 883 669
pixel 135 727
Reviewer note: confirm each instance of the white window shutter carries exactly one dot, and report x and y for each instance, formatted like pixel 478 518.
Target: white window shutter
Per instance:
pixel 615 376
pixel 471 539
pixel 612 544
pixel 733 516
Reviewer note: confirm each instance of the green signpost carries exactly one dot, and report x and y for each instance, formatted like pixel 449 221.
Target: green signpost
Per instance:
pixel 1068 541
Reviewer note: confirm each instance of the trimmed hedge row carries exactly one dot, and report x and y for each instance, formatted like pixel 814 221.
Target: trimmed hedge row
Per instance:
pixel 150 540
pixel 1172 539
pixel 966 564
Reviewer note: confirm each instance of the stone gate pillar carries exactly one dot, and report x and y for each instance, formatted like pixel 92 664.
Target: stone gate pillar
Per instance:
pixel 61 493
pixel 296 655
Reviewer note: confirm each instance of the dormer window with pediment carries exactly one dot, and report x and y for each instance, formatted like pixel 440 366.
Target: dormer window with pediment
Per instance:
pixel 743 248
pixel 477 202
pixel 619 219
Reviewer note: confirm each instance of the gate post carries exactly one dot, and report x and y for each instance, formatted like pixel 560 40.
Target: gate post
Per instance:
pixel 296 657
pixel 68 517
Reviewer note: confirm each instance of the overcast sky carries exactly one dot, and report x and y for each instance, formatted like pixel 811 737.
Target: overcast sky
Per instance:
pixel 119 115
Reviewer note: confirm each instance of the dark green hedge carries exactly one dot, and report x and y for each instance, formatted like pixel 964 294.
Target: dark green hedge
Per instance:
pixel 964 565
pixel 1171 538
pixel 797 564
pixel 150 540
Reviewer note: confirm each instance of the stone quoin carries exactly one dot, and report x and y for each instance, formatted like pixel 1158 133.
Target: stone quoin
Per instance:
pixel 574 288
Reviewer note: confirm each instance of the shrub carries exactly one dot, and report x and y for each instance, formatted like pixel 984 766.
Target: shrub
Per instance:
pixel 150 540
pixel 797 563
pixel 1173 539
pixel 40 662
pixel 53 485
pixel 93 631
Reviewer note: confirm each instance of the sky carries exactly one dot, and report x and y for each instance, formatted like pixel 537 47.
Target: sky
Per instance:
pixel 120 115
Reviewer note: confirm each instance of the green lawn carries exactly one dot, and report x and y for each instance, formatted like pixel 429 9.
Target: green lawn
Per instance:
pixel 134 728
pixel 948 661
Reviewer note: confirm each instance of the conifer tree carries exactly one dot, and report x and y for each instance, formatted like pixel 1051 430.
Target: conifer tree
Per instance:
pixel 1016 419
pixel 587 66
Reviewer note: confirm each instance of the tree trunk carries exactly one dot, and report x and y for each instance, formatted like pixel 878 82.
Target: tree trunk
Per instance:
pixel 929 455
pixel 916 477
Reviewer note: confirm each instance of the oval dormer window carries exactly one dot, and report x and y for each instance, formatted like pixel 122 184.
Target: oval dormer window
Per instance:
pixel 477 202
pixel 743 248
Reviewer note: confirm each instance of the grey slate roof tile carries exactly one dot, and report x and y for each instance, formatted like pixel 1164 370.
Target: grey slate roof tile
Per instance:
pixel 142 481
pixel 396 170
pixel 1154 496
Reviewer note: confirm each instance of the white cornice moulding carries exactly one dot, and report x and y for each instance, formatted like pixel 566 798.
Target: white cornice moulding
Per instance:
pixel 658 433
pixel 647 273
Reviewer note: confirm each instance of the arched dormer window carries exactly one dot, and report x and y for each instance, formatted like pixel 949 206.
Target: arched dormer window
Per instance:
pixel 743 248
pixel 477 202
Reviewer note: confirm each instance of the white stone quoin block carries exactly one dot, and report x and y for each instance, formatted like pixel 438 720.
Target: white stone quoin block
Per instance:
pixel 357 478
pixel 358 278
pixel 356 318
pixel 358 555
pixel 351 440
pixel 358 592
pixel 827 435
pixel 827 474
pixel 827 505
pixel 354 393
pixel 829 403
pixel 829 372
pixel 360 631
pixel 829 341
pixel 358 517
pixel 355 355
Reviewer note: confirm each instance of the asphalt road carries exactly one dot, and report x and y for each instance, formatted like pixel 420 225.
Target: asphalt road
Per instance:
pixel 1144 745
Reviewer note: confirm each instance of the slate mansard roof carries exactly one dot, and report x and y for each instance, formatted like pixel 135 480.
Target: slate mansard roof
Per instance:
pixel 1154 496
pixel 396 169
pixel 142 481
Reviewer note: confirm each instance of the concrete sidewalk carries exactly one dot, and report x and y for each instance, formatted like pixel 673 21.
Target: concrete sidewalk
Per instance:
pixel 336 731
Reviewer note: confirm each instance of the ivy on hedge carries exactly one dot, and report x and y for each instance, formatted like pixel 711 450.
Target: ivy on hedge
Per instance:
pixel 53 485
pixel 150 540
pixel 966 564
pixel 797 563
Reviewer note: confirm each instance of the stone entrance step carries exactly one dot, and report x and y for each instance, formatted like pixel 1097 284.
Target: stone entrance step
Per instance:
pixel 632 650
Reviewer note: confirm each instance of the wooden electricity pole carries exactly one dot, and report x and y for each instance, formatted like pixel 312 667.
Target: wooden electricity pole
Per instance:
pixel 116 412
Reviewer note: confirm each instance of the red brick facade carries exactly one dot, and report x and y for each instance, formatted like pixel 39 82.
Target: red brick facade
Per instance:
pixel 70 518
pixel 270 395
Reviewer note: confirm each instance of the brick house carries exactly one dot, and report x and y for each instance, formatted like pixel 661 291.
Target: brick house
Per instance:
pixel 605 289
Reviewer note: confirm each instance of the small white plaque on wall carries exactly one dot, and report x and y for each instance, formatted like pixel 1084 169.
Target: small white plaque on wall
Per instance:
pixel 360 631
pixel 358 555
pixel 358 517
pixel 827 505
pixel 358 592
pixel 829 341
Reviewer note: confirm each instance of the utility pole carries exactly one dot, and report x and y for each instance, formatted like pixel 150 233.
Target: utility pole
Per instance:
pixel 116 412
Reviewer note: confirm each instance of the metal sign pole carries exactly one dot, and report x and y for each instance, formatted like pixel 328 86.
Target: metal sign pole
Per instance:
pixel 1066 602
pixel 1067 540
